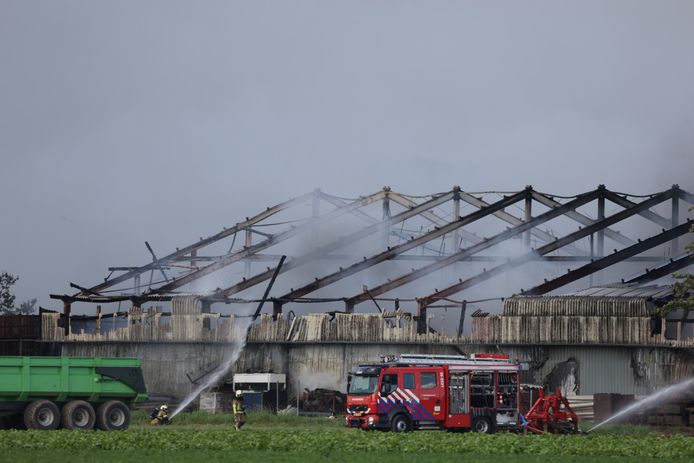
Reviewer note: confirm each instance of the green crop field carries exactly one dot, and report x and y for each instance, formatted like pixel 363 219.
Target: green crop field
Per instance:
pixel 268 439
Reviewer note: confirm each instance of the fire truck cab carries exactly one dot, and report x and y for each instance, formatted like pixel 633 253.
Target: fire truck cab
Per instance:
pixel 477 392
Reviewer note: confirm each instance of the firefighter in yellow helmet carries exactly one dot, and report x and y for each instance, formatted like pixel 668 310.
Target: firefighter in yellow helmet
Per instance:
pixel 160 416
pixel 239 410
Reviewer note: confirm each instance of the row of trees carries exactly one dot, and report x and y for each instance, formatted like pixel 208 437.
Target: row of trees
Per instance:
pixel 7 299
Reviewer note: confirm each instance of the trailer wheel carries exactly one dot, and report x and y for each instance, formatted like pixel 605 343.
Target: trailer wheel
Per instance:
pixel 42 414
pixel 482 424
pixel 78 414
pixel 400 423
pixel 113 415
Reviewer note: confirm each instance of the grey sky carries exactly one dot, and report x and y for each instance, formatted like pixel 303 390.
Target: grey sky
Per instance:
pixel 127 121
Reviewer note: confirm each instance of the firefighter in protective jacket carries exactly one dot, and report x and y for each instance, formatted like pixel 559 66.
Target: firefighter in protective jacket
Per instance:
pixel 161 416
pixel 239 411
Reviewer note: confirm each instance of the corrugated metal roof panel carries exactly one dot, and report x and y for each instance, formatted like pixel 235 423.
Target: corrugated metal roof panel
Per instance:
pixel 652 291
pixel 552 306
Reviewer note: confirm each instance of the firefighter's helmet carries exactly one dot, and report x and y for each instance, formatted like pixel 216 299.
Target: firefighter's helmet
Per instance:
pixel 164 407
pixel 239 393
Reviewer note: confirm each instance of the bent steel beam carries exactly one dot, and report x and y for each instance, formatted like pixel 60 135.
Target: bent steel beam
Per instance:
pixel 684 195
pixel 489 242
pixel 667 268
pixel 351 238
pixel 433 218
pixel 624 202
pixel 582 233
pixel 542 235
pixel 364 216
pixel 399 249
pixel 583 219
pixel 606 261
pixel 275 239
pixel 180 253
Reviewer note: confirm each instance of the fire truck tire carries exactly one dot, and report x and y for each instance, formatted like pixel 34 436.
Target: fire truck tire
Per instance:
pixel 400 423
pixel 482 425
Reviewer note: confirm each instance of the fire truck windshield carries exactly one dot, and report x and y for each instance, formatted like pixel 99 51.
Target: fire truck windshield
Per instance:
pixel 362 384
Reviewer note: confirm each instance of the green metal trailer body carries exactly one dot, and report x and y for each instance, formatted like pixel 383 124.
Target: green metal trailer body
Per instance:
pixel 89 390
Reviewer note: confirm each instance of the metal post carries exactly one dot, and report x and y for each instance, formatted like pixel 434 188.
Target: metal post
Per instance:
pixel 592 254
pixel 277 397
pixel 674 244
pixel 461 323
pixel 386 216
pixel 276 309
pixel 528 213
pixel 456 216
pixel 137 284
pixel 298 384
pixel 247 262
pixel 206 308
pixel 98 319
pixel 67 308
pixel 193 255
pixel 601 216
pixel 421 317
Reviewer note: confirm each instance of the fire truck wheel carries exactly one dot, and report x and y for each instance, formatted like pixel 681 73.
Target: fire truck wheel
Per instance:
pixel 400 423
pixel 482 424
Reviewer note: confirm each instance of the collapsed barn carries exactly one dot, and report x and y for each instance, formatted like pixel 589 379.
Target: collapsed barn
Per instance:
pixel 424 274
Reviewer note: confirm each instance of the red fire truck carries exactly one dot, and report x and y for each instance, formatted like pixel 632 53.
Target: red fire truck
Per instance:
pixel 479 392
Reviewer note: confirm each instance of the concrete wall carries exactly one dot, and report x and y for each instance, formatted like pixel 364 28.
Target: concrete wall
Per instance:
pixel 168 367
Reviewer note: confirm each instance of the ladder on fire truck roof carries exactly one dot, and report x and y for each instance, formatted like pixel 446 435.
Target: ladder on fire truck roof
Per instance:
pixel 446 359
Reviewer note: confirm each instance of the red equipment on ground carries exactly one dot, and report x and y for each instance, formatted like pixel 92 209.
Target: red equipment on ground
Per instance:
pixel 551 413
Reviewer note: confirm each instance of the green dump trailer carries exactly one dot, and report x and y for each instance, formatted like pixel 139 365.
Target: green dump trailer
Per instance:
pixel 75 393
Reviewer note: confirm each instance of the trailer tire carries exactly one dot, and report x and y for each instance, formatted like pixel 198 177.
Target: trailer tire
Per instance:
pixel 78 414
pixel 113 415
pixel 400 423
pixel 42 414
pixel 482 425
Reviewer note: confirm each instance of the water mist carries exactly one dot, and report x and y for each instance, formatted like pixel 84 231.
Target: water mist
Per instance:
pixel 237 339
pixel 657 396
